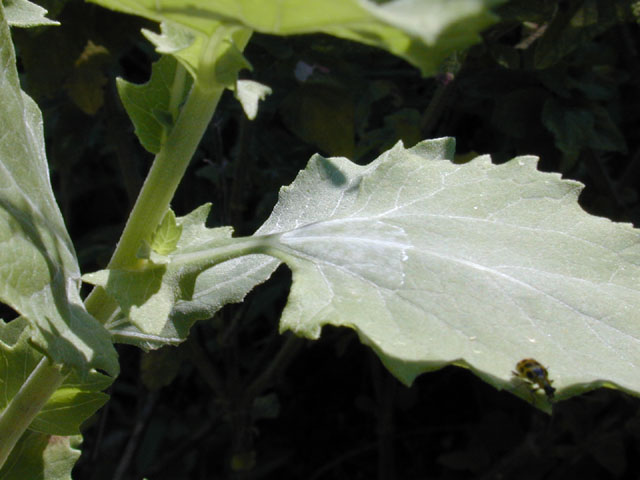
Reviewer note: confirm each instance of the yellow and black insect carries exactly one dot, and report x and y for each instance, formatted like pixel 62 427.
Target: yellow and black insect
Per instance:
pixel 533 372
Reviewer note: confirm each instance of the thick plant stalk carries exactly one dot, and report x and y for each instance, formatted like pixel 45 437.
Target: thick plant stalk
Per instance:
pixel 167 171
pixel 168 167
pixel 160 185
pixel 173 159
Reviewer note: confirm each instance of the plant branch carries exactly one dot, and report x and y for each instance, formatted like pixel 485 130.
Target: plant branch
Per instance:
pixel 160 185
pixel 168 169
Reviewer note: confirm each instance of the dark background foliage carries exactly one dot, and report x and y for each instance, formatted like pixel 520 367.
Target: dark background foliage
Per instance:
pixel 558 79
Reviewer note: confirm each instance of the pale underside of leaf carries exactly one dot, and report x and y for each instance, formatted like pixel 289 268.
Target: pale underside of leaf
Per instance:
pixel 479 265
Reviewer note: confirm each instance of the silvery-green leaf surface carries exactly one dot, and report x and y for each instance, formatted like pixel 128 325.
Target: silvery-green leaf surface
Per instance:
pixel 478 265
pixel 432 263
pixel 39 274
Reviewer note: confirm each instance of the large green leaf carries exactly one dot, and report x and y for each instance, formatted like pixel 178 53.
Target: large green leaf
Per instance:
pixel 423 32
pixel 39 274
pixel 431 262
pixel 478 265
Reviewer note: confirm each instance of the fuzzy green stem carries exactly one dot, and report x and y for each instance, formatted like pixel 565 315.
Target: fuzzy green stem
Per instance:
pixel 170 163
pixel 165 174
pixel 168 168
pixel 160 185
pixel 223 251
pixel 26 404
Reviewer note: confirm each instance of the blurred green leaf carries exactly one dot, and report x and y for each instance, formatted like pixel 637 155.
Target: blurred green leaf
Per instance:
pixel 47 69
pixel 424 32
pixel 578 127
pixel 577 24
pixel 322 116
pixel 87 80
